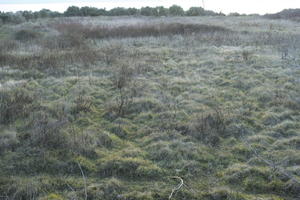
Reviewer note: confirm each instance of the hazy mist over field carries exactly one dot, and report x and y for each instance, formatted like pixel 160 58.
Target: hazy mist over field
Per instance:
pixel 225 6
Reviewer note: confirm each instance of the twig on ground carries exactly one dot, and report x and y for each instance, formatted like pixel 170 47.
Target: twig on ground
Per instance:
pixel 178 187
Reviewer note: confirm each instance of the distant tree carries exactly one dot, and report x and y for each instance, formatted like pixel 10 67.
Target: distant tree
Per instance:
pixel 148 11
pixel 133 11
pixel 28 15
pixel 235 14
pixel 86 11
pixel 4 17
pixel 55 14
pixel 10 17
pixel 118 11
pixel 176 10
pixel 72 11
pixel 195 11
pixel 162 11
pixel 91 11
pixel 44 13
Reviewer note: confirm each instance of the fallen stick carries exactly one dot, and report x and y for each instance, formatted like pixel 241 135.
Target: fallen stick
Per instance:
pixel 178 187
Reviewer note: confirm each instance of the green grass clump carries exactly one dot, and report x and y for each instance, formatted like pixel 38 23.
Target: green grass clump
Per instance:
pixel 128 167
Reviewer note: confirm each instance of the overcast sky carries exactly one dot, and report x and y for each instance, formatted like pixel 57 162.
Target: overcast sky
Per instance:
pixel 225 6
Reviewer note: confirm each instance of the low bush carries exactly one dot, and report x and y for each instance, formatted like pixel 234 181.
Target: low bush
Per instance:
pixel 123 83
pixel 27 35
pixel 46 131
pixel 82 103
pixel 209 127
pixel 15 103
pixel 8 140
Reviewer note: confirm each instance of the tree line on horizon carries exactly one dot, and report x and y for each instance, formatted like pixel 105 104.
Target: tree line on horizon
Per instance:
pixel 175 10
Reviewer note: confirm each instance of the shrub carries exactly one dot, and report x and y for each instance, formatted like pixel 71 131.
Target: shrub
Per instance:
pixel 246 55
pixel 82 103
pixel 26 35
pixel 123 83
pixel 46 131
pixel 15 103
pixel 8 140
pixel 209 127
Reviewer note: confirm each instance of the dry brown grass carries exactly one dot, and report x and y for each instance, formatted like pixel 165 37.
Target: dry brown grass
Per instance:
pixel 138 30
pixel 49 59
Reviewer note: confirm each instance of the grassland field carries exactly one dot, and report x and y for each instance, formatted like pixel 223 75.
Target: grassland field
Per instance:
pixel 127 108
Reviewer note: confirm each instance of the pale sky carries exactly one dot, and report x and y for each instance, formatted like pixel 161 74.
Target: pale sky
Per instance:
pixel 225 6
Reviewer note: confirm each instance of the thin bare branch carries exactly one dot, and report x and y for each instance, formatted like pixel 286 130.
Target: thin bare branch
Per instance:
pixel 178 187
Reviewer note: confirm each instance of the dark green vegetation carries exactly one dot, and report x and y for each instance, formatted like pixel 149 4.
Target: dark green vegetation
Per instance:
pixel 72 11
pixel 132 102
